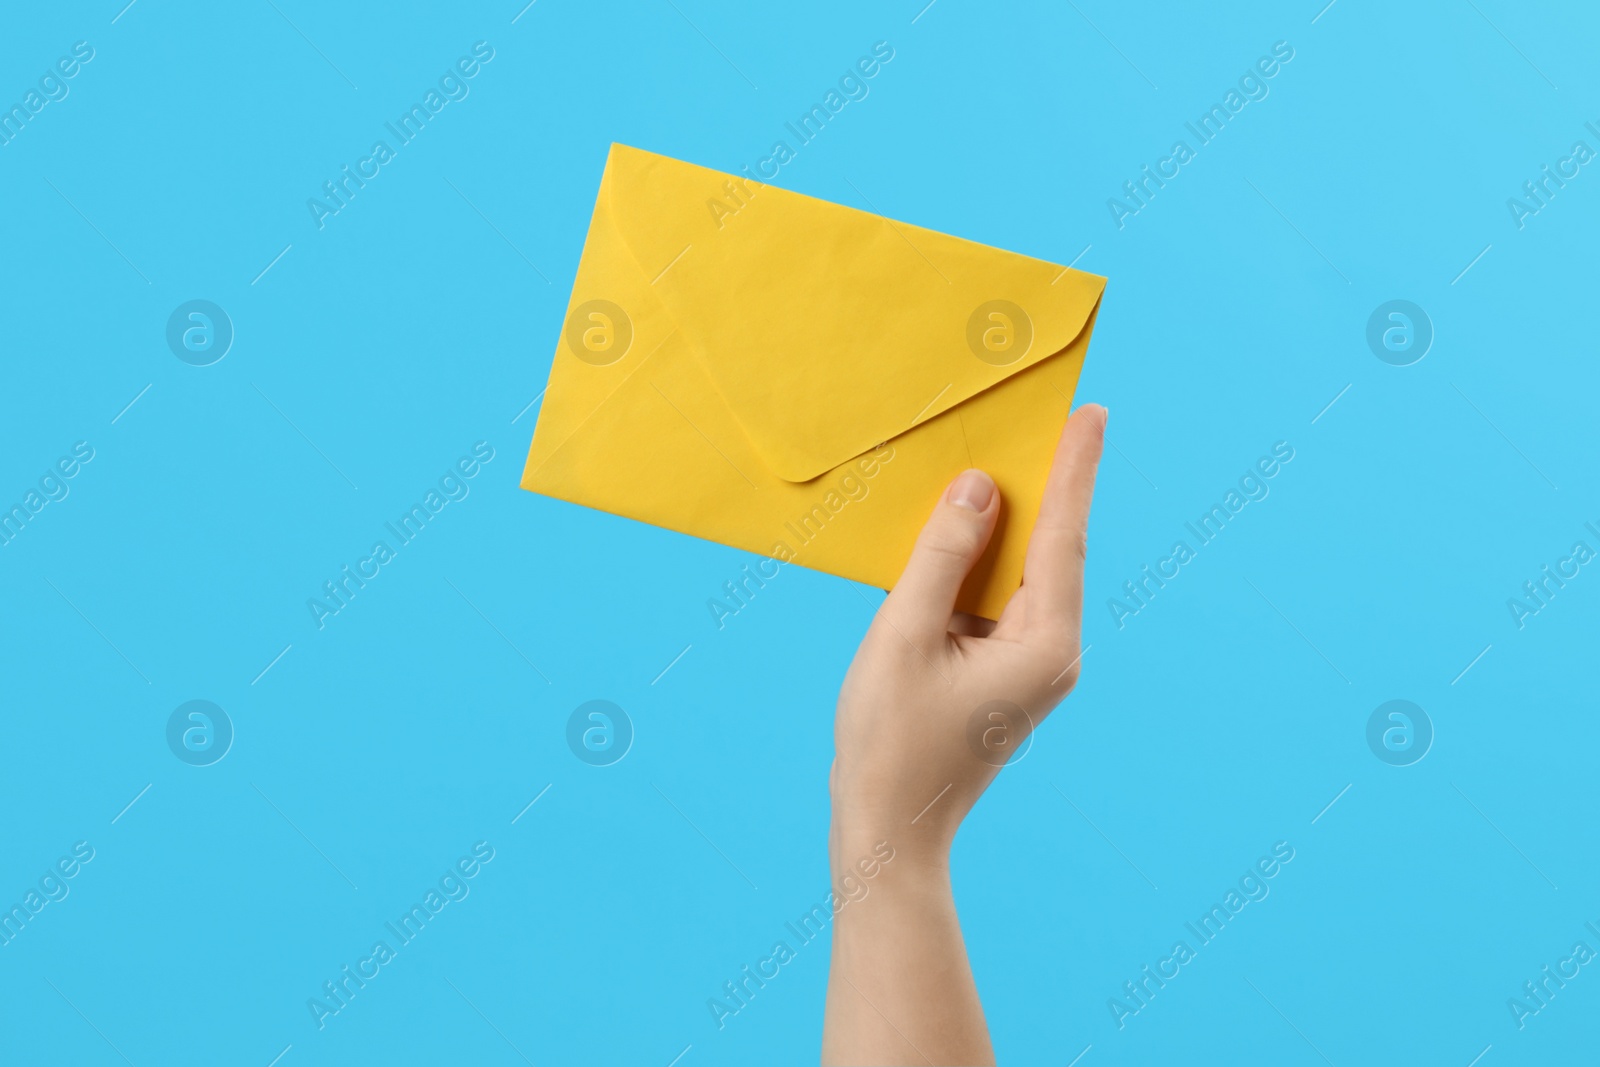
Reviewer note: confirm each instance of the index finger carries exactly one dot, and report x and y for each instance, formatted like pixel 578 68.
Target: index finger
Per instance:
pixel 1052 572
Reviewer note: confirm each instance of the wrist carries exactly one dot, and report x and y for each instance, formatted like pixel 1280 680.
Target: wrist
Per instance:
pixel 916 819
pixel 864 850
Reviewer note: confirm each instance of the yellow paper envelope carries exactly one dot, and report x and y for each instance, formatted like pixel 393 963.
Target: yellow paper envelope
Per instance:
pixel 801 379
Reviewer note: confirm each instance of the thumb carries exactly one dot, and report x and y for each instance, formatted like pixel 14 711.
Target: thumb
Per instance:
pixel 955 536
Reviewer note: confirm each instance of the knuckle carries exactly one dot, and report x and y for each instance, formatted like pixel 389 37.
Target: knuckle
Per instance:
pixel 1062 669
pixel 951 545
pixel 1074 534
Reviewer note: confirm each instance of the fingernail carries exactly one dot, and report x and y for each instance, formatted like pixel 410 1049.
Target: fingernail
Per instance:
pixel 973 491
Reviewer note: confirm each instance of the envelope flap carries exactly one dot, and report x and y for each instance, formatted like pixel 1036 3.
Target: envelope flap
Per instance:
pixel 826 329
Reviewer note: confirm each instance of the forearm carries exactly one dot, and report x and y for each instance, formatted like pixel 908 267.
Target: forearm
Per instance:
pixel 900 989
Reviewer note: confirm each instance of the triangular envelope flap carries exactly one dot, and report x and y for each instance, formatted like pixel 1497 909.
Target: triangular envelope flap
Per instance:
pixel 827 329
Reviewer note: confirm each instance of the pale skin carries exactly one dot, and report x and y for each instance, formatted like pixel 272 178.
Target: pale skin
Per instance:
pixel 900 989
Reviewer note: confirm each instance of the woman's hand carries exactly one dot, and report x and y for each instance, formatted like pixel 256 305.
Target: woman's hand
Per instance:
pixel 930 709
pixel 934 702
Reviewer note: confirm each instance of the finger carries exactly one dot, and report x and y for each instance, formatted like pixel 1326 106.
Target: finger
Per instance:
pixel 1053 570
pixel 922 602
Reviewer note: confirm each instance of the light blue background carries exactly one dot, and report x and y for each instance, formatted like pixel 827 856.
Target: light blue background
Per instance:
pixel 1221 719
